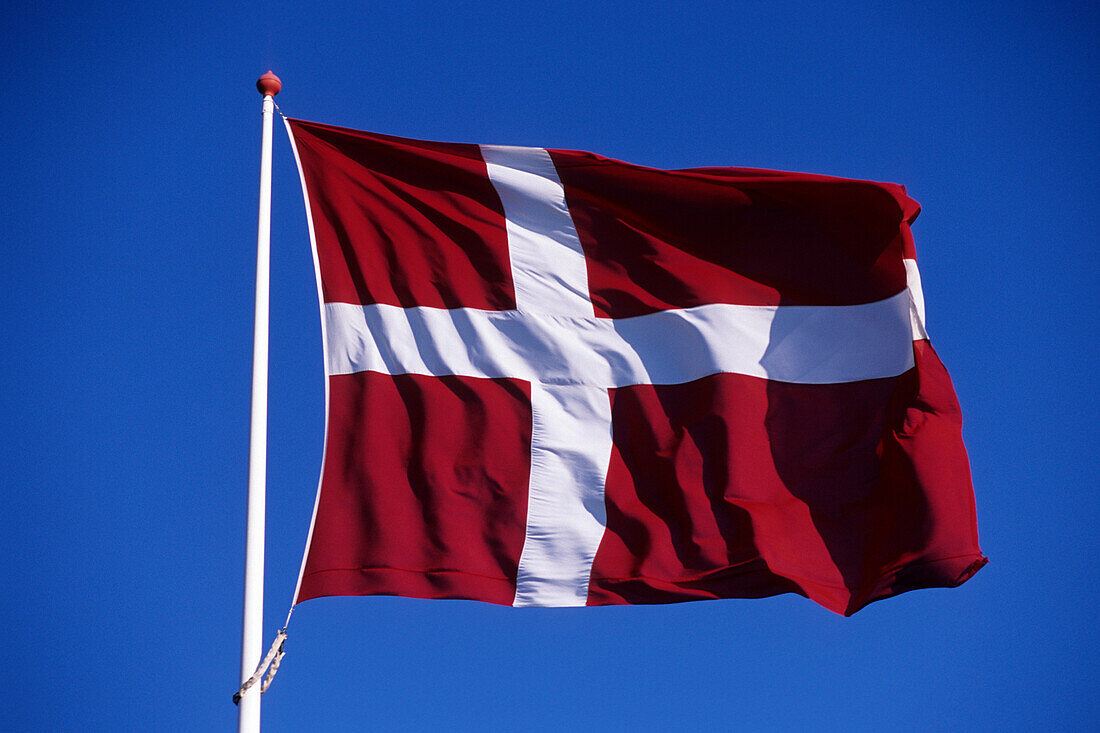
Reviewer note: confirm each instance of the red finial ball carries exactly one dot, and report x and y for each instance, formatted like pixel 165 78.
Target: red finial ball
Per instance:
pixel 269 84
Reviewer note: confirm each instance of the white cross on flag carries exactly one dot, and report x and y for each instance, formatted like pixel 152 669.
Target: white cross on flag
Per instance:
pixel 556 379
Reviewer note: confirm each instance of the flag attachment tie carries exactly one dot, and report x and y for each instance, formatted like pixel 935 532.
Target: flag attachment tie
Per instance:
pixel 270 664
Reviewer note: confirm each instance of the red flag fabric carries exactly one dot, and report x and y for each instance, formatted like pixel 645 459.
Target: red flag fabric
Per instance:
pixel 556 379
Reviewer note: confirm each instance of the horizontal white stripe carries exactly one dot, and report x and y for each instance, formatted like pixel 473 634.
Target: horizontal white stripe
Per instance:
pixel 804 344
pixel 570 454
pixel 916 294
pixel 549 272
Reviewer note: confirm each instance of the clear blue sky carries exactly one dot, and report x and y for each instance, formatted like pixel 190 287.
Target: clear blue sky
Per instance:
pixel 128 188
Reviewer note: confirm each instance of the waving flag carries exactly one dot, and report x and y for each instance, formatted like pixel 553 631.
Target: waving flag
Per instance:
pixel 556 379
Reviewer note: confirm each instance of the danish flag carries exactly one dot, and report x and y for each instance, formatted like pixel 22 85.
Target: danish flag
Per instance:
pixel 556 379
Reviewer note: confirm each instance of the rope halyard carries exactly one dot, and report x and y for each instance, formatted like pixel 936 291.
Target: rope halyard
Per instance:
pixel 272 670
pixel 270 664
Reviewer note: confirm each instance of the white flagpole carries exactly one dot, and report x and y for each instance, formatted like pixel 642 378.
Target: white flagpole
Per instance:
pixel 248 711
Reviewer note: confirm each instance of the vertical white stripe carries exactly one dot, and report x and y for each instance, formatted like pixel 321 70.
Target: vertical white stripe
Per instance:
pixel 548 266
pixel 916 300
pixel 570 453
pixel 571 424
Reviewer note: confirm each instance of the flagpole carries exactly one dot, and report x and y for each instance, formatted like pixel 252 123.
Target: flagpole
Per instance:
pixel 248 711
